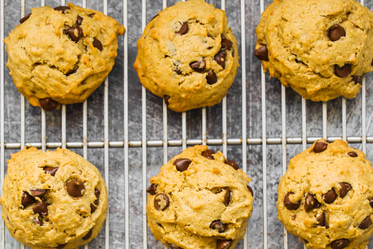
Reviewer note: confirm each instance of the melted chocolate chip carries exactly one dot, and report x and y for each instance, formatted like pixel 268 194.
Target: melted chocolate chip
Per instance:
pixel 227 197
pixel 75 188
pixel 37 221
pixel 340 244
pixel 62 8
pixel 61 246
pixel 344 71
pixel 330 196
pixel 50 170
pixel 75 33
pixel 336 32
pixel 218 225
pixel 38 192
pixel 208 154
pixel 366 223
pixel 161 202
pixel 250 190
pixel 288 204
pixel 345 187
pixel 211 78
pixel 88 235
pixel 223 244
pixel 198 66
pixel 184 29
pixel 262 53
pixel 27 200
pixel 91 15
pixel 152 189
pixel 321 219
pixel 48 104
pixel 166 98
pixel 352 154
pixel 232 163
pixel 96 202
pixel 41 208
pixel 227 44
pixel 371 203
pixel 310 203
pixel 79 20
pixel 320 147
pixel 97 44
pixel 172 246
pixel 182 164
pixel 357 79
pixel 23 19
pixel 220 58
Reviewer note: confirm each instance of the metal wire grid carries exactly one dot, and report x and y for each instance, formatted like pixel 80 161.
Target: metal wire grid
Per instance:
pixel 183 142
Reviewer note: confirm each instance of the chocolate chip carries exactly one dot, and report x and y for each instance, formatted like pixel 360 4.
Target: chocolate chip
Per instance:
pixel 96 202
pixel 218 225
pixel 211 78
pixel 320 147
pixel 184 29
pixel 41 208
pixel 27 200
pixel 79 20
pixel 172 246
pixel 344 71
pixel 220 58
pixel 288 204
pixel 88 235
pixel 71 72
pixel 152 189
pixel 352 154
pixel 38 192
pixel 37 221
pixel 154 17
pixel 75 188
pixel 223 244
pixel 61 246
pixel 227 44
pixel 182 164
pixel 161 202
pixel 75 33
pixel 366 223
pixel 91 15
pixel 336 32
pixel 371 63
pixel 62 8
pixel 208 154
pixel 250 190
pixel 97 44
pixel 345 187
pixel 198 66
pixel 262 53
pixel 371 203
pixel 166 98
pixel 310 203
pixel 232 163
pixel 50 170
pixel 321 219
pixel 330 196
pixel 227 197
pixel 48 104
pixel 357 79
pixel 23 19
pixel 339 244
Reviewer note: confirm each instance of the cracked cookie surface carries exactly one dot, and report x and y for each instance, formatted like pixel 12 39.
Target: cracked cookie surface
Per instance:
pixel 319 48
pixel 188 55
pixel 199 200
pixel 55 199
pixel 61 55
pixel 326 197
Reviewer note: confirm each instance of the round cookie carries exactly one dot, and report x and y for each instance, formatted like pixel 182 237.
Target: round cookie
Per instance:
pixel 188 55
pixel 199 200
pixel 321 49
pixel 55 199
pixel 326 197
pixel 76 54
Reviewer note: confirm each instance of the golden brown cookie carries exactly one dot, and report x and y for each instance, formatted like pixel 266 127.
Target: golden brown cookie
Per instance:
pixel 319 48
pixel 326 197
pixel 55 199
pixel 199 200
pixel 188 55
pixel 76 53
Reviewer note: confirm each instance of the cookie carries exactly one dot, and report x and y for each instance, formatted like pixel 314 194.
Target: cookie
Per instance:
pixel 321 49
pixel 199 200
pixel 74 57
pixel 188 55
pixel 55 199
pixel 326 197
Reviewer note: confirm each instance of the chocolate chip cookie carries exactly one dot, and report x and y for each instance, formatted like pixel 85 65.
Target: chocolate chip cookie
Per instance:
pixel 321 49
pixel 199 200
pixel 326 197
pixel 76 53
pixel 55 199
pixel 188 55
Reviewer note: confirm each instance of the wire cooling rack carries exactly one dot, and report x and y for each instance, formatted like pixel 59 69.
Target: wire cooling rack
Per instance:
pixel 128 133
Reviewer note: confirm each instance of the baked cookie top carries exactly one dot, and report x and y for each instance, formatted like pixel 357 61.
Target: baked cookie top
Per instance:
pixel 326 196
pixel 188 55
pixel 319 48
pixel 199 200
pixel 55 199
pixel 61 55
